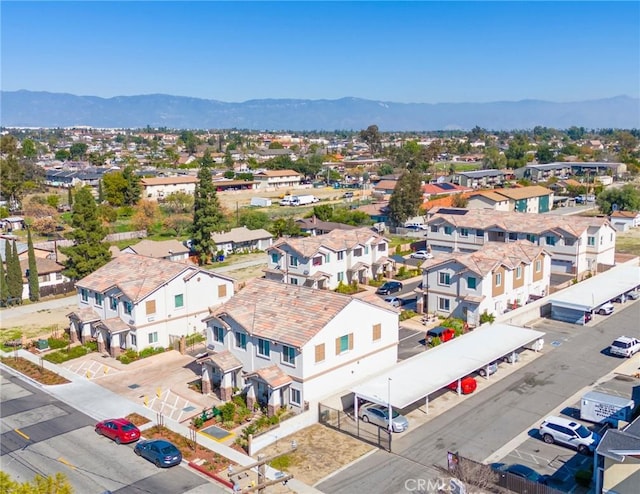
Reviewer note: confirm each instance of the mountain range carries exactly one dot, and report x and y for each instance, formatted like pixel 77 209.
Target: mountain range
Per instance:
pixel 44 109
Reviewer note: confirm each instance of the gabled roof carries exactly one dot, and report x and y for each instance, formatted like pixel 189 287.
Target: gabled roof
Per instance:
pixel 273 375
pixel 289 314
pixel 20 248
pixel 386 185
pixel 138 276
pixel 490 194
pixel 277 173
pixel 525 192
pixel 336 241
pixel 182 179
pixel 241 234
pixel 625 214
pixel 492 255
pixel 159 249
pixel 511 221
pixel 43 266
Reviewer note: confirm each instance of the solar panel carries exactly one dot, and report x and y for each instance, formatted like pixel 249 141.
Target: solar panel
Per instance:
pixel 459 212
pixel 446 186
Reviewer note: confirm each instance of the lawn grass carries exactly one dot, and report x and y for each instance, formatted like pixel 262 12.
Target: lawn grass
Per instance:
pixel 628 244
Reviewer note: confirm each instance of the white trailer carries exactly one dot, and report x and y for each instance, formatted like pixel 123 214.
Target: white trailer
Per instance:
pixel 302 200
pixel 602 408
pixel 261 202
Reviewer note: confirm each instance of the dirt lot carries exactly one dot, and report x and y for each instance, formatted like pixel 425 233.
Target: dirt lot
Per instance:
pixel 320 452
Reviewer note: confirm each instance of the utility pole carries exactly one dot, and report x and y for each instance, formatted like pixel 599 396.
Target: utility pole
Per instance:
pixel 261 464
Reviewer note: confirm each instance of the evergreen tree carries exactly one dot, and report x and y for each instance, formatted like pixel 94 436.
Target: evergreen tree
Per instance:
pixel 406 199
pixel 70 196
pixel 89 251
pixel 4 288
pixel 133 191
pixel 100 192
pixel 207 216
pixel 34 285
pixel 14 275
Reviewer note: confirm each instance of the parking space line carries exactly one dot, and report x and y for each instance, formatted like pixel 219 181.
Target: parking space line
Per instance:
pixel 20 433
pixel 66 462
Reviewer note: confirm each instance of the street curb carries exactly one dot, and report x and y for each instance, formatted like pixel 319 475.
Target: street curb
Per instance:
pixel 215 477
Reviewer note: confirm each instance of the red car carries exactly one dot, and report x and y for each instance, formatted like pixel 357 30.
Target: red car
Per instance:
pixel 467 385
pixel 120 430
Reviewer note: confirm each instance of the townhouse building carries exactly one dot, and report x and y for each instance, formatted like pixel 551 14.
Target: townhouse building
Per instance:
pixel 577 244
pixel 135 302
pixel 171 249
pixel 325 261
pixel 494 279
pixel 542 172
pixel 241 239
pixel 287 345
pixel 479 178
pixel 277 179
pixel 158 188
pixel 533 199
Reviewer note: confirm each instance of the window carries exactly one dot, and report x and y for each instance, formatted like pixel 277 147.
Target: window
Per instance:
pixel 444 279
pixel 59 275
pixel 153 337
pixel 327 257
pixel 444 304
pixel 550 240
pixel 275 258
pixel 178 301
pixel 518 272
pixel 538 266
pixel 498 278
pixel 128 307
pixel 294 281
pixel 500 234
pixel 113 303
pixel 84 294
pixel 513 236
pixel 531 238
pixel 344 343
pixel 434 229
pixel 317 261
pixel 377 331
pixel 222 291
pixel 218 334
pixel 134 339
pixel 340 255
pixel 320 356
pixel 357 252
pixel 340 276
pixel 448 230
pixel 479 233
pixel 382 247
pixel 293 261
pixel 263 348
pixel 366 249
pixel 464 232
pixel 98 299
pixel 591 241
pixel 472 282
pixel 241 341
pixel 150 307
pixel 294 396
pixel 288 355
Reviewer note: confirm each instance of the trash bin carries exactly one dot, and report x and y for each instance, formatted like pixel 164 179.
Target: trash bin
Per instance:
pixel 220 258
pixel 42 344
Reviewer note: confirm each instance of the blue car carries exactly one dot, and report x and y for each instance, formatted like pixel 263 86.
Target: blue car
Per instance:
pixel 522 471
pixel 160 452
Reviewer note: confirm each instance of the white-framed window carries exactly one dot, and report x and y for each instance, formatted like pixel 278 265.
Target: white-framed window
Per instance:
pixel 464 232
pixel 550 240
pixel 128 307
pixel 263 349
pixel 113 303
pixel 513 236
pixel 98 298
pixel 448 230
pixel 479 233
pixel 218 334
pixel 444 304
pixel 498 279
pixel 288 355
pixel 178 301
pixel 275 258
pixel 444 279
pixel 538 266
pixel 293 261
pixel 531 238
pixel 317 261
pixel 434 228
pixel 340 255
pixel 84 294
pixel 134 339
pixel 294 281
pixel 518 272
pixel 472 282
pixel 382 246
pixel 591 241
pixel 357 252
pixel 241 340
pixel 295 396
pixel 153 337
pixel 340 276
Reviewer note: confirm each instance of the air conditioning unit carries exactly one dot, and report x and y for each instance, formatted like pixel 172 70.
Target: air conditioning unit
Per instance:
pixel 306 272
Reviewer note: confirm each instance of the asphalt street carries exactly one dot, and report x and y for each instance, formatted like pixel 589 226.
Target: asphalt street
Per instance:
pixel 42 435
pixel 575 357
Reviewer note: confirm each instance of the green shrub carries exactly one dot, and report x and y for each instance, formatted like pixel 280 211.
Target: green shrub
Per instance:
pixel 583 477
pixel 194 338
pixel 281 462
pixel 228 411
pixel 436 341
pixel 63 355
pixel 57 343
pixel 486 317
pixel 198 422
pixel 150 351
pixel 407 314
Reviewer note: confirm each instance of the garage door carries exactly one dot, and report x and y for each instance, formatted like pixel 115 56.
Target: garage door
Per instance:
pixel 567 315
pixel 561 266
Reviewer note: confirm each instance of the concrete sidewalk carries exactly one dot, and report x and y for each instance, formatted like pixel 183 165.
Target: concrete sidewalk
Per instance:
pixel 100 403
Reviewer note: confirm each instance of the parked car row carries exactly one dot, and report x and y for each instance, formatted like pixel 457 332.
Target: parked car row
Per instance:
pixel 160 452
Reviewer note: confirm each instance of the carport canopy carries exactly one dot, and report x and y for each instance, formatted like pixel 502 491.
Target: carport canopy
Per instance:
pixel 597 290
pixel 417 377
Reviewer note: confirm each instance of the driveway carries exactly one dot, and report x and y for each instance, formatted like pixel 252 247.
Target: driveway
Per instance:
pixel 479 426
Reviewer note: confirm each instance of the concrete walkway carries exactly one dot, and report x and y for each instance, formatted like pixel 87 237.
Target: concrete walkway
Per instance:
pixel 100 403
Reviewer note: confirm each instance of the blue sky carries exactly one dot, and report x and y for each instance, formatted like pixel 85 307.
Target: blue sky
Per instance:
pixel 421 52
